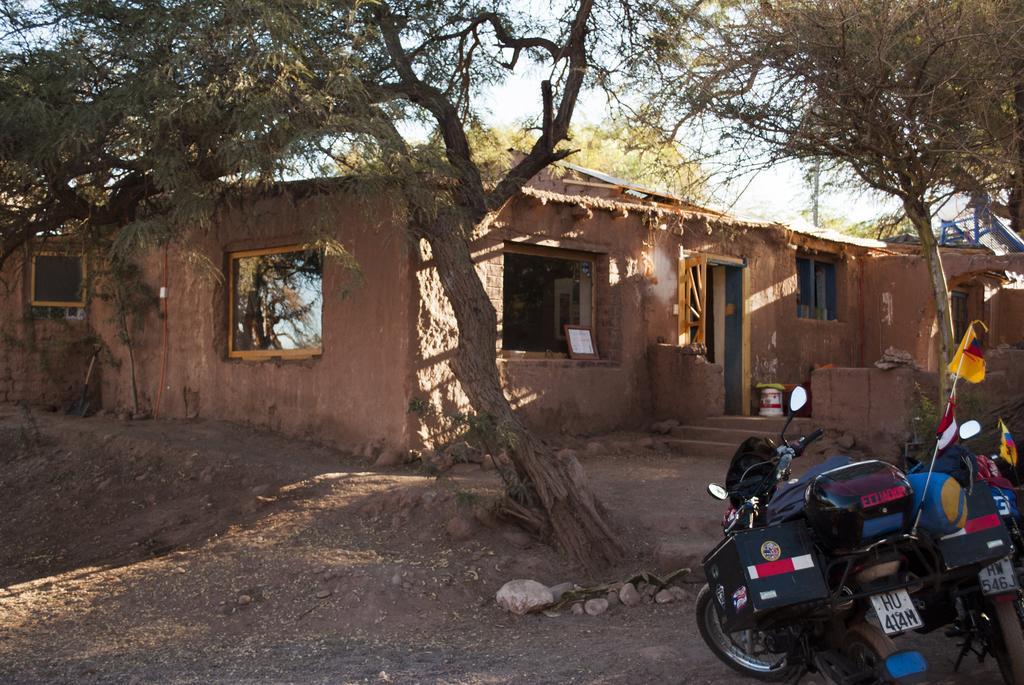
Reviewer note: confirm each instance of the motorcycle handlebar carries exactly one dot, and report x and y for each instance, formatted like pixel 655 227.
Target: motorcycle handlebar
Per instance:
pixel 808 439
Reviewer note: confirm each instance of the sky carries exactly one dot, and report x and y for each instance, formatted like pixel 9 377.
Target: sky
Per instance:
pixel 776 194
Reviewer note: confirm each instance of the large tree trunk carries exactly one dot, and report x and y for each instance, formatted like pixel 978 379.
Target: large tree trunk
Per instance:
pixel 917 212
pixel 554 487
pixel 1016 199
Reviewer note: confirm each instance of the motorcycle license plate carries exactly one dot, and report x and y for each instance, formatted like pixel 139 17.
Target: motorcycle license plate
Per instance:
pixel 896 613
pixel 998 578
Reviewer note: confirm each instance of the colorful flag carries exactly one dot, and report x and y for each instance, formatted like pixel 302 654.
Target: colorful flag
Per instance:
pixel 1007 447
pixel 946 434
pixel 969 361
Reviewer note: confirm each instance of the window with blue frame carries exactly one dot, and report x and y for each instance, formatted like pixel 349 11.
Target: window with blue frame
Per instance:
pixel 816 291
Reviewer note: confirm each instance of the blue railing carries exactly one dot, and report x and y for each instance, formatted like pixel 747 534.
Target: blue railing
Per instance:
pixel 969 230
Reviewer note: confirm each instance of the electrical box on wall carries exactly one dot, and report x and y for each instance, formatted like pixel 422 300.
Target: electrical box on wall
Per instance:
pixel 675 309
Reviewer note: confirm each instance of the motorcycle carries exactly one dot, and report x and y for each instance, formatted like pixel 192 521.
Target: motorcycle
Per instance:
pixel 802 564
pixel 976 592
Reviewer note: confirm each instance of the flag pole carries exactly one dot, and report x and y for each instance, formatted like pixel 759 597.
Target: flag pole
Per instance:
pixel 935 452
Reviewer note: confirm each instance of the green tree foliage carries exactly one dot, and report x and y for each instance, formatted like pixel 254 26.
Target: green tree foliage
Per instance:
pixel 637 154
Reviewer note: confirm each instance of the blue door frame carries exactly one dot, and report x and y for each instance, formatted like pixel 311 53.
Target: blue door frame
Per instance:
pixel 734 361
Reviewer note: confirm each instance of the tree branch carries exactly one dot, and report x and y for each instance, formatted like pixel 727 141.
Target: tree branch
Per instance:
pixel 444 112
pixel 556 128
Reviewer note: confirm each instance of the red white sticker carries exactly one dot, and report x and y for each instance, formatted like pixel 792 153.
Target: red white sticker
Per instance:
pixel 777 568
pixel 976 525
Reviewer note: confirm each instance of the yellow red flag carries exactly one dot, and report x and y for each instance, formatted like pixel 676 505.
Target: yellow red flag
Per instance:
pixel 969 361
pixel 1007 447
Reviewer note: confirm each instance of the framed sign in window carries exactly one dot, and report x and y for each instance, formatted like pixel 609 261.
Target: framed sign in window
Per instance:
pixel 580 340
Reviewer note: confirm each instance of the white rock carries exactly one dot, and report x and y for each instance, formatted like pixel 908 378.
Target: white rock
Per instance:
pixel 524 596
pixel 664 597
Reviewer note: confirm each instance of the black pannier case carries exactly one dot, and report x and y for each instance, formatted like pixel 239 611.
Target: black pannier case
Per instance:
pixel 859 504
pixel 983 538
pixel 755 572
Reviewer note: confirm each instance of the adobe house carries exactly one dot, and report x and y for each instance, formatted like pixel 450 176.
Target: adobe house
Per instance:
pixel 687 309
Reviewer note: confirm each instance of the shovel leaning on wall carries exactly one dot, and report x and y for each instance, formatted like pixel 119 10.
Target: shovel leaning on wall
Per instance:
pixel 80 407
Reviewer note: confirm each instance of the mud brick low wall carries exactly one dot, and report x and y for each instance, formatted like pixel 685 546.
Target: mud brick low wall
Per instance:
pixel 575 397
pixel 1004 377
pixel 684 386
pixel 868 403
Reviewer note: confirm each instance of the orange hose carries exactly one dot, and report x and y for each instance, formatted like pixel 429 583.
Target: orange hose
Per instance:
pixel 163 354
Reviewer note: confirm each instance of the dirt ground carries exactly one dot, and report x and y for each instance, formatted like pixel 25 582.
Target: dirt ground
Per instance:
pixel 202 552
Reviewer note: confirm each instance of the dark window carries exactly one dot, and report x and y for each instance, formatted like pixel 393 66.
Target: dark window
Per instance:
pixel 540 296
pixel 958 305
pixel 816 293
pixel 57 281
pixel 276 303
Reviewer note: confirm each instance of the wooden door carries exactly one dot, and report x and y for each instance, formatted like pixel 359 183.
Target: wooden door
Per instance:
pixel 693 279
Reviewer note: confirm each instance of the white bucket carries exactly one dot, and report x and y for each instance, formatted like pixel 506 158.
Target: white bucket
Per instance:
pixel 771 402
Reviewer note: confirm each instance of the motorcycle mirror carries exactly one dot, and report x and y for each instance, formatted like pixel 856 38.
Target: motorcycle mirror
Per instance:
pixel 797 399
pixel 717 491
pixel 969 429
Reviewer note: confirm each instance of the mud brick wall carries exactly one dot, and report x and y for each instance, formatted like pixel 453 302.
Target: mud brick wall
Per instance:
pixel 684 387
pixel 43 356
pixel 551 395
pixel 353 395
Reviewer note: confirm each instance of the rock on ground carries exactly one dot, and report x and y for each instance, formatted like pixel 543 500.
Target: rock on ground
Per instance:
pixel 523 596
pixel 558 590
pixel 596 607
pixel 628 595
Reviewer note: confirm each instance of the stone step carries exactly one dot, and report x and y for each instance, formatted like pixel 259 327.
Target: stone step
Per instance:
pixel 733 436
pixel 755 424
pixel 700 448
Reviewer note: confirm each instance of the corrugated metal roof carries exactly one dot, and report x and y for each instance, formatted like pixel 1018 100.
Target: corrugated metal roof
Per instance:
pixel 641 193
pixel 834 236
pixel 628 187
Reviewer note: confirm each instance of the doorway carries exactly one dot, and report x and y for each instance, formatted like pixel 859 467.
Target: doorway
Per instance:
pixel 712 302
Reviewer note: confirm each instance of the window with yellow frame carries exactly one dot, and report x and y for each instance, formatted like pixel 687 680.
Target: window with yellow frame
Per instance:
pixel 276 303
pixel 58 280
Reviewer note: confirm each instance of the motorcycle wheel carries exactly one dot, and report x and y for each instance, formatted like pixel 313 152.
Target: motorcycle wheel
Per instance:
pixel 867 645
pixel 729 647
pixel 1008 646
